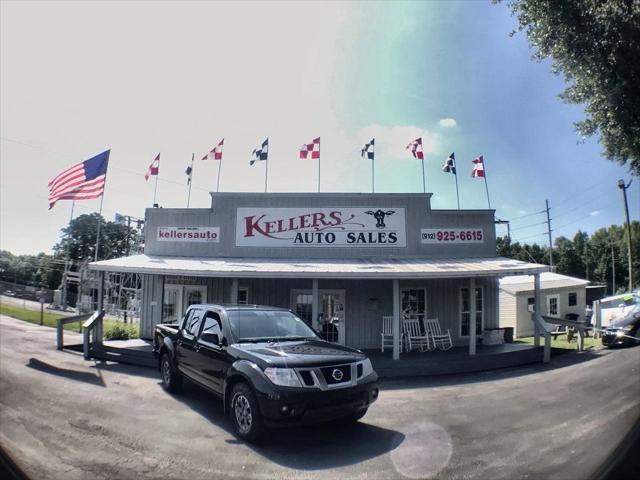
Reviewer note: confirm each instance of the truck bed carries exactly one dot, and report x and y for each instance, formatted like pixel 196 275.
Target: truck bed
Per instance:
pixel 161 331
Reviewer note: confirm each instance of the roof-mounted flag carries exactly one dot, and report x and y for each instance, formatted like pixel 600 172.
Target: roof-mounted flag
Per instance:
pixel 478 167
pixel 154 168
pixel 261 153
pixel 416 149
pixel 189 172
pixel 368 151
pixel 312 148
pixel 449 166
pixel 82 181
pixel 215 153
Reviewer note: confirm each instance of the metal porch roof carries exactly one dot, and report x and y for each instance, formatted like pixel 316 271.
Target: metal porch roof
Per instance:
pixel 357 268
pixel 548 281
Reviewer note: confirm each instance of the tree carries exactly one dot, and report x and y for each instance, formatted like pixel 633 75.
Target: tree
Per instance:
pixel 595 44
pixel 79 239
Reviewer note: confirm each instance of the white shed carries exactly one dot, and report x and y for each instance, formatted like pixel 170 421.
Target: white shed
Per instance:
pixel 561 295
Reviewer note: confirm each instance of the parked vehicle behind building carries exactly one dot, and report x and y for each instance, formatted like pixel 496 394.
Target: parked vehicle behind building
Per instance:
pixel 268 367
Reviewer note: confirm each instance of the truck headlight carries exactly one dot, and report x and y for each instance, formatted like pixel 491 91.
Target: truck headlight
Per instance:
pixel 284 377
pixel 367 368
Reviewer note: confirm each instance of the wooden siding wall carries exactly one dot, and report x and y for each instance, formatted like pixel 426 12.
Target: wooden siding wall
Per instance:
pixel 152 293
pixel 507 311
pixel 366 301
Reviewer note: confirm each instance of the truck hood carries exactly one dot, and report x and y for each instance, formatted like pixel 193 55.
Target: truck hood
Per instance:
pixel 301 353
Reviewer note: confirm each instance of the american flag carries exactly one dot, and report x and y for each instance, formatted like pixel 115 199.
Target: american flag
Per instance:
pixel 478 167
pixel 416 149
pixel 261 153
pixel 154 168
pixel 368 151
pixel 312 148
pixel 215 153
pixel 83 181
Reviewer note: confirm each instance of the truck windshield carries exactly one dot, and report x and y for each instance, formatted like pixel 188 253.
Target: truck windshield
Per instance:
pixel 266 325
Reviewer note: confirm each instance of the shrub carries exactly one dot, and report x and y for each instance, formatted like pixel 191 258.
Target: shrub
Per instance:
pixel 120 331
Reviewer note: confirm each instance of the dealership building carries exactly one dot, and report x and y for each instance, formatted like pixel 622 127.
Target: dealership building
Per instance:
pixel 342 260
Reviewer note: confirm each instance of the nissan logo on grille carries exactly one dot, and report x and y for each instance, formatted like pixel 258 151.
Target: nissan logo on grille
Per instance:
pixel 337 374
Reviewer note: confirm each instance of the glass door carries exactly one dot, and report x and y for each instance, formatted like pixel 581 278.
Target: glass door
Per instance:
pixel 172 304
pixel 194 294
pixel 332 303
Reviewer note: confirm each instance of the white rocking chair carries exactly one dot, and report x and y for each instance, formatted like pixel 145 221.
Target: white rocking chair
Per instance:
pixel 415 337
pixel 440 340
pixel 387 333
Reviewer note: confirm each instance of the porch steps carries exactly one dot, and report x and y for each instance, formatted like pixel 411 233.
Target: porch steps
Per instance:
pixel 442 363
pixel 142 358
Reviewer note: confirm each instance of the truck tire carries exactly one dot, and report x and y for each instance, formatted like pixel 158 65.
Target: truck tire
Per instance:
pixel 244 411
pixel 171 379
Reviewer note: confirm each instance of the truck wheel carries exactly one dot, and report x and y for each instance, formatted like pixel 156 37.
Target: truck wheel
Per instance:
pixel 171 379
pixel 245 413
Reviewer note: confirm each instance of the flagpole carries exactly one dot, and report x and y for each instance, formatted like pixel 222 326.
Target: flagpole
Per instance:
pixel 190 180
pixel 484 168
pixel 218 182
pixel 67 260
pixel 155 189
pixel 319 156
pixel 457 194
pixel 100 212
pixel 373 169
pixel 424 182
pixel 266 172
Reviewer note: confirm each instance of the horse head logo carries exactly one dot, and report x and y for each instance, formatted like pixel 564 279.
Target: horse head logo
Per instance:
pixel 380 215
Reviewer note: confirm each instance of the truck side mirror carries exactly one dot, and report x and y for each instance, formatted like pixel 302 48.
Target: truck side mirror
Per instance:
pixel 210 338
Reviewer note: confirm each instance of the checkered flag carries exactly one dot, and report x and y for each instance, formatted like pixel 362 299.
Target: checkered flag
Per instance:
pixel 449 165
pixel 261 153
pixel 368 150
pixel 312 148
pixel 216 152
pixel 415 148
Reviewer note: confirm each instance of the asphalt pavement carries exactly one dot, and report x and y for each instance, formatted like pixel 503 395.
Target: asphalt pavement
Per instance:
pixel 64 417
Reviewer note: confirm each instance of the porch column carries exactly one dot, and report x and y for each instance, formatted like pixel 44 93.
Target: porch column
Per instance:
pixel 234 291
pixel 537 310
pixel 100 299
pixel 396 320
pixel 472 316
pixel 315 308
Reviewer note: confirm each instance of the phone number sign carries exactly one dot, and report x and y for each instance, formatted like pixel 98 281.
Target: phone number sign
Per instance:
pixel 445 236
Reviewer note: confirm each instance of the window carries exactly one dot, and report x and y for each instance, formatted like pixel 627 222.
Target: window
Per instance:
pixel 414 301
pixel 573 299
pixel 531 304
pixel 465 311
pixel 302 306
pixel 243 295
pixel 192 323
pixel 212 324
pixel 552 305
pixel 267 324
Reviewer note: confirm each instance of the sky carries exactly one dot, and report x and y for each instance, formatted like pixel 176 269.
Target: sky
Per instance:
pixel 77 78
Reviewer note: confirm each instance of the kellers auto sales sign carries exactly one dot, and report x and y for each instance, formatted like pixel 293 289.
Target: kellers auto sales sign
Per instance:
pixel 320 227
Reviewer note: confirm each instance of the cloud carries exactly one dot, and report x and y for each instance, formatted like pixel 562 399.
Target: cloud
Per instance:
pixel 595 212
pixel 448 122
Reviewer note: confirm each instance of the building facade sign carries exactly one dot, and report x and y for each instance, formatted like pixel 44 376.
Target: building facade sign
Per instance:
pixel 321 227
pixel 447 236
pixel 189 234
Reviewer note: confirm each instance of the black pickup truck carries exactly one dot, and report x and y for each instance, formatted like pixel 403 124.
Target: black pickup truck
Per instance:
pixel 266 364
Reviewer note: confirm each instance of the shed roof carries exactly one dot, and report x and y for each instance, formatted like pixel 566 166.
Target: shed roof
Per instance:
pixel 361 268
pixel 548 281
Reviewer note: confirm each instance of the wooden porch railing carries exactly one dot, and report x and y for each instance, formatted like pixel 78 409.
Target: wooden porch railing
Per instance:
pixel 61 322
pixel 92 333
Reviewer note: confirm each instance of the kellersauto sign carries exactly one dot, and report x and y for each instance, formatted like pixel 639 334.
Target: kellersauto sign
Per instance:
pixel 321 227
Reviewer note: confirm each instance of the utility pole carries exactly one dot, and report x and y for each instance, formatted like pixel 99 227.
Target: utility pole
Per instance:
pixel 613 268
pixel 549 233
pixel 624 188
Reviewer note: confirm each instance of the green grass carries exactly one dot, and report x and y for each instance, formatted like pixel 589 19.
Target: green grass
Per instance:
pixel 561 342
pixel 49 319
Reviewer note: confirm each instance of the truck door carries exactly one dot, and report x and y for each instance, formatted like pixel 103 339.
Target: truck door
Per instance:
pixel 186 343
pixel 212 360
